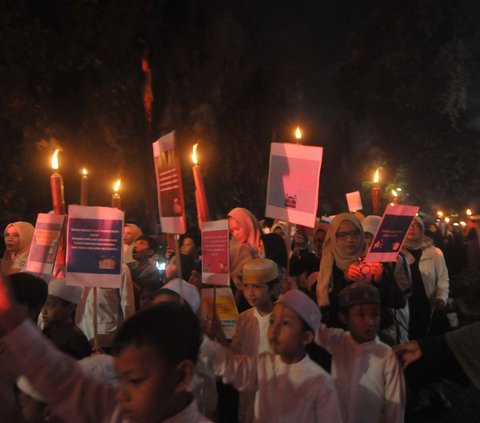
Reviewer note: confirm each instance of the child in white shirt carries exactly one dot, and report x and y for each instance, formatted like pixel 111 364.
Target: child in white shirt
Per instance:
pixel 369 378
pixel 289 386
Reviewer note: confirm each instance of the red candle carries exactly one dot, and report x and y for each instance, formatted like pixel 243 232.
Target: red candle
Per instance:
pixel 200 198
pixel 56 186
pixel 116 200
pixel 84 188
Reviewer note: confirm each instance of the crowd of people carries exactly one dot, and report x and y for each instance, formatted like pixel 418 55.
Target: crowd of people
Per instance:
pixel 321 334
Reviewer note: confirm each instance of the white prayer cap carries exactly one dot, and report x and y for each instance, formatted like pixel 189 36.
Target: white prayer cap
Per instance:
pixel 371 223
pixel 71 293
pixel 259 271
pixel 189 292
pixel 303 306
pixel 100 367
pixel 24 385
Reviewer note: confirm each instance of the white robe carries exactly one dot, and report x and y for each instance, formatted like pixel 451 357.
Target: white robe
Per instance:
pixel 285 393
pixel 370 381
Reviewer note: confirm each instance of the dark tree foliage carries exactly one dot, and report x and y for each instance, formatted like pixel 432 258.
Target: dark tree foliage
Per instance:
pixel 411 81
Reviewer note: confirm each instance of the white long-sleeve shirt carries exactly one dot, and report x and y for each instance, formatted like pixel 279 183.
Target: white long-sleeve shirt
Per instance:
pixel 73 396
pixel 369 379
pixel 285 393
pixel 114 306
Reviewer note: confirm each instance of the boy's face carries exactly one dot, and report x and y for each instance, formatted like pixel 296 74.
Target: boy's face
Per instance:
pixel 54 311
pixel 257 295
pixel 363 321
pixel 141 250
pixel 286 334
pixel 148 384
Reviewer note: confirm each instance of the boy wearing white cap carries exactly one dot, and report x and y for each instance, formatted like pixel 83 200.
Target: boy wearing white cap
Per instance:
pixel 58 319
pixel 368 376
pixel 289 386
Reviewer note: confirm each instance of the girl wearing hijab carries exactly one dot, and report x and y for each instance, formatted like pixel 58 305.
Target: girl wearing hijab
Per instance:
pixel 430 283
pixel 343 249
pixel 18 237
pixel 245 242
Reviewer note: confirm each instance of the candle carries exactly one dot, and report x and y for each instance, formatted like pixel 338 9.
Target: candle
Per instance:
pixel 116 200
pixel 200 199
pixel 84 188
pixel 376 192
pixel 56 186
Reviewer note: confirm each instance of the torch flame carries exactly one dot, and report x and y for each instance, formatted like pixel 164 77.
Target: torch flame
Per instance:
pixel 376 177
pixel 298 133
pixel 440 214
pixel 194 154
pixel 116 187
pixel 447 220
pixel 469 212
pixel 55 159
pixel 394 193
pixel 84 171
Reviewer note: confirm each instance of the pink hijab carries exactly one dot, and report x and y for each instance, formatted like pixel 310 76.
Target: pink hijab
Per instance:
pixel 250 224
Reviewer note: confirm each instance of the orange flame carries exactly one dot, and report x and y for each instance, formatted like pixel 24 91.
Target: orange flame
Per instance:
pixel 194 154
pixel 439 213
pixel 116 187
pixel 55 159
pixel 376 177
pixel 84 171
pixel 298 133
pixel 469 212
pixel 394 193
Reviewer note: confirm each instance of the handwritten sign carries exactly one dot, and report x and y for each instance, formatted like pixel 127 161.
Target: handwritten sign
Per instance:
pixel 225 307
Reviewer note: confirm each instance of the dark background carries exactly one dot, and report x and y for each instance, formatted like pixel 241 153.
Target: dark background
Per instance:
pixel 376 83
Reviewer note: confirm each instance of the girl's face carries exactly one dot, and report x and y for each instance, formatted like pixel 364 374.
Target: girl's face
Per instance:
pixel 12 239
pixel 348 238
pixel 236 231
pixel 415 232
pixel 189 248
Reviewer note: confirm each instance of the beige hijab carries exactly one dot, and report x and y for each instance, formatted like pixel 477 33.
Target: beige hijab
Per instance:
pixel 16 262
pixel 422 243
pixel 333 255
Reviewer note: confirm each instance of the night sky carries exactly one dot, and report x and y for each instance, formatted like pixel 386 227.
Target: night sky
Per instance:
pixel 377 85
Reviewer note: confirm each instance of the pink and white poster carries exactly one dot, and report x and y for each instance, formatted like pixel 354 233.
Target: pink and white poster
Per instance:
pixel 215 244
pixel 388 240
pixel 293 183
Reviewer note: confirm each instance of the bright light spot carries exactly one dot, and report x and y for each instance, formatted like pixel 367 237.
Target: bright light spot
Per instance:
pixel 55 159
pixel 84 171
pixel 194 154
pixel 376 177
pixel 440 214
pixel 447 220
pixel 462 223
pixel 399 189
pixel 469 212
pixel 298 133
pixel 394 193
pixel 456 224
pixel 116 186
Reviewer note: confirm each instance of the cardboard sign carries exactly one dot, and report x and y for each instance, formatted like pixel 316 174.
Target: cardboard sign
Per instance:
pixel 354 201
pixel 171 203
pixel 388 240
pixel 293 183
pixel 225 308
pixel 215 260
pixel 45 242
pixel 94 246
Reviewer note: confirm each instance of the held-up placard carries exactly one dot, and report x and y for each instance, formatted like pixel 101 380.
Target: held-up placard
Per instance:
pixel 94 246
pixel 293 183
pixel 215 260
pixel 391 233
pixel 169 185
pixel 354 201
